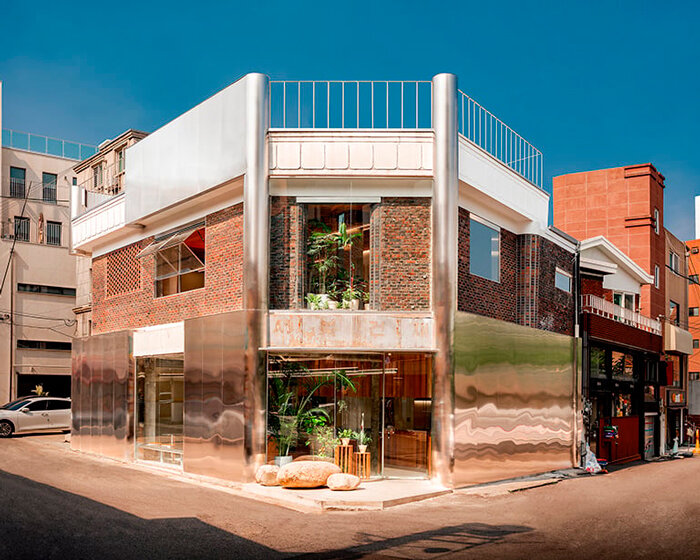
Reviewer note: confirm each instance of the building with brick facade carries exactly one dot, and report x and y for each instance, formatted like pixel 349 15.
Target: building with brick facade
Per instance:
pixel 621 354
pixel 291 260
pixel 626 206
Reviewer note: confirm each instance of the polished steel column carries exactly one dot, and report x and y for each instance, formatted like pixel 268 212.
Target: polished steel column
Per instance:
pixel 256 239
pixel 444 279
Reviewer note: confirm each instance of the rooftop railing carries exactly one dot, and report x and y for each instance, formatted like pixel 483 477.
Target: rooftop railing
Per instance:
pixel 46 145
pixel 604 308
pixel 391 104
pixel 491 134
pixel 358 104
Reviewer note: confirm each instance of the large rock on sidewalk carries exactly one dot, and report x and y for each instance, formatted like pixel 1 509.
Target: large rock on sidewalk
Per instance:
pixel 306 474
pixel 343 481
pixel 266 475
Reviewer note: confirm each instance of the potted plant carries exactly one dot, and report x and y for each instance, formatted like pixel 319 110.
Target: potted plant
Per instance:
pixel 323 251
pixel 352 298
pixel 323 441
pixel 363 440
pixel 314 301
pixel 346 435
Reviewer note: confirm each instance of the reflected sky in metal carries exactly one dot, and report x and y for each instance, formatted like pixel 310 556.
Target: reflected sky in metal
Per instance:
pixel 515 400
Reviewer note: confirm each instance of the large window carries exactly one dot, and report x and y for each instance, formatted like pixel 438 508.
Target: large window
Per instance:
pixel 484 250
pixel 53 233
pixel 623 366
pixel 48 181
pixel 597 365
pixel 43 345
pixel 21 228
pixel 624 299
pixel 180 263
pixel 338 255
pixel 18 177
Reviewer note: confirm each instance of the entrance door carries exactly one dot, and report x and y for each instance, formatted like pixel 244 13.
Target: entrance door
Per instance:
pixel 407 415
pixel 159 408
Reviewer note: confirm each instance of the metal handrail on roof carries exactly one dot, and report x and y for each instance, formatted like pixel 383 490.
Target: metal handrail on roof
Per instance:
pixel 46 145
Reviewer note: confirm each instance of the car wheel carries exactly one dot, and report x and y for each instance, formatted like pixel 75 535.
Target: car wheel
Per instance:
pixel 6 429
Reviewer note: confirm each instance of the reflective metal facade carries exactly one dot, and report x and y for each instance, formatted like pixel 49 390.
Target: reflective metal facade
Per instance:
pixel 102 397
pixel 516 400
pixel 215 411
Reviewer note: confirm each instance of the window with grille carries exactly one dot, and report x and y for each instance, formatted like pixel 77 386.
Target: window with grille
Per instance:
pixel 18 178
pixel 21 228
pixel 53 233
pixel 97 176
pixel 120 160
pixel 48 181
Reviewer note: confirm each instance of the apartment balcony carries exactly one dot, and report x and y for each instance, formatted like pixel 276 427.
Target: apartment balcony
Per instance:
pixel 608 310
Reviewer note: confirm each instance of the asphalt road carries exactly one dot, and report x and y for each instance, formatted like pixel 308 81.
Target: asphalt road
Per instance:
pixel 58 504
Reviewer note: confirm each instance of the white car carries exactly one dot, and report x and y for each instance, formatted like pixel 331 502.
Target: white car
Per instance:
pixel 32 414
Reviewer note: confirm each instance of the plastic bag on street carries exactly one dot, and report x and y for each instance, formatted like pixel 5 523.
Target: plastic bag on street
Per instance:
pixel 591 465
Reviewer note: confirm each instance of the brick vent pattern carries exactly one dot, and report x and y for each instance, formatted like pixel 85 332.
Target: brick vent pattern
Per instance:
pixel 123 271
pixel 223 290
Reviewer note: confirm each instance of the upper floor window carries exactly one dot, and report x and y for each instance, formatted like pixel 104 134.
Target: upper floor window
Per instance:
pixel 53 233
pixel 693 279
pixel 43 345
pixel 484 250
pixel 48 181
pixel 337 255
pixel 21 228
pixel 97 176
pixel 51 290
pixel 673 312
pixel 674 262
pixel 624 299
pixel 562 280
pixel 657 220
pixel 693 312
pixel 120 160
pixel 696 343
pixel 656 276
pixel 18 177
pixel 180 261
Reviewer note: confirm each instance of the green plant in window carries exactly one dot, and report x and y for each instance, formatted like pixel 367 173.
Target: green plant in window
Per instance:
pixel 323 250
pixel 362 437
pixel 323 441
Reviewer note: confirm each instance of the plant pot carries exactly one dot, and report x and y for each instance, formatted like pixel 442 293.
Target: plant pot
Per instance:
pixel 332 304
pixel 345 441
pixel 281 460
pixel 362 448
pixel 354 304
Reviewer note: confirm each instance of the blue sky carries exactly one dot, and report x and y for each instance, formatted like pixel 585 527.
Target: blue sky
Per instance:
pixel 592 84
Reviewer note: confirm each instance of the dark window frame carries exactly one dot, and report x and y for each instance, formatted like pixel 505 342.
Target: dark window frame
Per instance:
pixel 51 238
pixel 22 228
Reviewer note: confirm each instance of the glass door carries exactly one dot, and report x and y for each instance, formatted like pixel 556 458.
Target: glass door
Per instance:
pixel 159 408
pixel 407 415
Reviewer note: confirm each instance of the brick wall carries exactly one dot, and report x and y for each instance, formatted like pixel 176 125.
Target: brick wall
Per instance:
pixel 526 293
pixel 223 289
pixel 479 295
pixel 286 253
pixel 401 267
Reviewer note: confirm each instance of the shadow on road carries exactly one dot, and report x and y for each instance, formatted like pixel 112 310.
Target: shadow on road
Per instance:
pixel 40 521
pixel 427 544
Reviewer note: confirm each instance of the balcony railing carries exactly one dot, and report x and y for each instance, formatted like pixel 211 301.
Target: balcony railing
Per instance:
pixel 46 145
pixel 604 308
pixel 17 187
pixel 100 187
pixel 491 134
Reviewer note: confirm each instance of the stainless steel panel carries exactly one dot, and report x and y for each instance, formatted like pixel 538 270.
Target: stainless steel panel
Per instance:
pixel 444 277
pixel 123 397
pixel 192 407
pixel 515 400
pixel 76 359
pixel 215 396
pixel 107 397
pixel 85 376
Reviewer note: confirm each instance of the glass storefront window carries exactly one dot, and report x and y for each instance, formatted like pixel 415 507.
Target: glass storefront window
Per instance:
pixel 159 408
pixel 623 366
pixel 382 402
pixel 622 405
pixel 597 362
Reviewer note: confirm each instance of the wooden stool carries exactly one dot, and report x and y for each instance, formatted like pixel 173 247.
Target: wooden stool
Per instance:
pixel 363 465
pixel 343 458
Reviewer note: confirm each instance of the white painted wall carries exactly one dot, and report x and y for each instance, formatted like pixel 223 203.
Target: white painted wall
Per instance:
pixel 160 339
